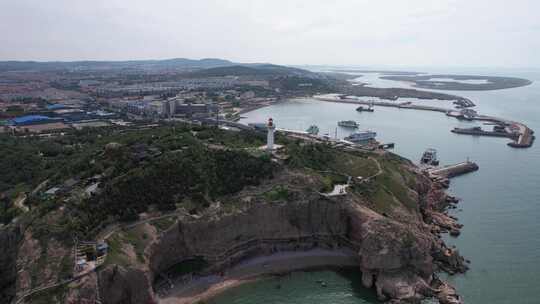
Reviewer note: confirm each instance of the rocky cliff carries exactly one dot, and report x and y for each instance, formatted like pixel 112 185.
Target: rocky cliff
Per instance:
pixel 9 240
pixel 392 221
pixel 399 252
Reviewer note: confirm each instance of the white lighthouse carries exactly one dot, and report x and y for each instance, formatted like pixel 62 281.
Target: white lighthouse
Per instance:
pixel 270 137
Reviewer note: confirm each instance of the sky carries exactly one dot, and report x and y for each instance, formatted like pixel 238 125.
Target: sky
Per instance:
pixel 479 33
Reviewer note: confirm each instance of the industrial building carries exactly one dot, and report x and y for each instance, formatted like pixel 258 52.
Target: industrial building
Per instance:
pixel 33 120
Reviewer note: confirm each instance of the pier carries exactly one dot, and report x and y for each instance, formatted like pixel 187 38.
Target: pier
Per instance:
pixel 480 132
pixel 453 170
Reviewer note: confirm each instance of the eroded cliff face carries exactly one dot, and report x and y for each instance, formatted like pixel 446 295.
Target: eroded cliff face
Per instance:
pixel 398 254
pixel 9 240
pixel 212 237
pixel 399 250
pixel 120 285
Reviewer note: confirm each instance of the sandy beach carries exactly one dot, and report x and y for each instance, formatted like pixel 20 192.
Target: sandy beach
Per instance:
pixel 204 288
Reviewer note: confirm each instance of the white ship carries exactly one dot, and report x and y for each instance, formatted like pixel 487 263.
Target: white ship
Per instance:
pixel 362 136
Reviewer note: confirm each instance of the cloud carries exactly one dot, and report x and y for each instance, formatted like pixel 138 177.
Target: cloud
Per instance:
pixel 360 32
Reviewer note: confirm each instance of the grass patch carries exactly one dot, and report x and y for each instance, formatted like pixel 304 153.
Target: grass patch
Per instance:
pixel 395 185
pixel 383 200
pixel 115 254
pixel 278 193
pixel 354 165
pixel 136 239
pixel 163 224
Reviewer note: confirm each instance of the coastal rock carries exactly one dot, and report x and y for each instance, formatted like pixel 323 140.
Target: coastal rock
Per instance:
pixel 9 238
pixel 120 285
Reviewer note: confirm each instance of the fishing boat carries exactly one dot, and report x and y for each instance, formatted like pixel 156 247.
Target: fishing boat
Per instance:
pixel 348 124
pixel 364 109
pixel 430 158
pixel 361 137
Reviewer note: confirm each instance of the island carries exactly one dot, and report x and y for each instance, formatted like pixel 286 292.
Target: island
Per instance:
pixel 461 82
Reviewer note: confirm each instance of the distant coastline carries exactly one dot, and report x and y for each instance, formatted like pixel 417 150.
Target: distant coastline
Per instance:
pixel 458 82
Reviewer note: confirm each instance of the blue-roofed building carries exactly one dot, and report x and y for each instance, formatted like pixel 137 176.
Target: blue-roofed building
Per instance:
pixel 32 120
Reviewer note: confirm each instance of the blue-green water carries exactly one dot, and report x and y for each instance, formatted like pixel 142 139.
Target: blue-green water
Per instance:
pixel 500 205
pixel 344 287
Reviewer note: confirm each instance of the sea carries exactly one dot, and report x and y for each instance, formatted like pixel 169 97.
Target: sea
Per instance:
pixel 499 207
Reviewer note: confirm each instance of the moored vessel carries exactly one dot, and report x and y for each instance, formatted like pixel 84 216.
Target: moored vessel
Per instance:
pixel 429 158
pixel 361 137
pixel 365 109
pixel 348 124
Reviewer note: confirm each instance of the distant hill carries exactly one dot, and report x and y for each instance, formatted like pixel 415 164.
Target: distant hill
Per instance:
pixel 175 63
pixel 253 70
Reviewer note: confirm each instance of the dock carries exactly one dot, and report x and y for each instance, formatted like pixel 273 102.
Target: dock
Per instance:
pixel 469 131
pixel 453 170
pixel 525 139
pixel 521 135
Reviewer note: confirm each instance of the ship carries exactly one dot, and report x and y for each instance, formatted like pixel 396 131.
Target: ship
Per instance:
pixel 430 158
pixel 361 137
pixel 348 124
pixel 313 130
pixel 364 109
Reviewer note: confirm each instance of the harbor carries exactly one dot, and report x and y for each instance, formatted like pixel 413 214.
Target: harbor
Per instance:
pixel 521 135
pixel 501 188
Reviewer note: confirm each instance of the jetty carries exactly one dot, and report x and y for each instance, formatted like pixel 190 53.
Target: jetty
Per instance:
pixel 453 170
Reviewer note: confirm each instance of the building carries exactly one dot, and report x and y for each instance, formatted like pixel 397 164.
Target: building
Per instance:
pixel 270 136
pixel 33 120
pixel 196 109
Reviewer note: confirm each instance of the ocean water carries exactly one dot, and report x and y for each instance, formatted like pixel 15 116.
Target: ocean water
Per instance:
pixel 500 205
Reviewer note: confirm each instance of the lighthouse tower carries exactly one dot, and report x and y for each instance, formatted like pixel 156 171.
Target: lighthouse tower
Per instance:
pixel 270 137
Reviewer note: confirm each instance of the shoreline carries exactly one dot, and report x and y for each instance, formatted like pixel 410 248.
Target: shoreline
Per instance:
pixel 251 270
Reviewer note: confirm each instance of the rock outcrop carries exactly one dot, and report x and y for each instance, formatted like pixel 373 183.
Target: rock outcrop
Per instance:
pixel 10 238
pixel 120 285
pixel 399 251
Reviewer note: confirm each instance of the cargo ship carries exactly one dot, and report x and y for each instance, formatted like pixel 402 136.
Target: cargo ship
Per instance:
pixel 348 124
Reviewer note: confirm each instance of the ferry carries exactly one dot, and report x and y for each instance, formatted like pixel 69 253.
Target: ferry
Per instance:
pixel 348 124
pixel 362 136
pixel 313 130
pixel 363 109
pixel 430 158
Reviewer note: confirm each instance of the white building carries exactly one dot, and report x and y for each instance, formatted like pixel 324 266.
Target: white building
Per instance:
pixel 270 137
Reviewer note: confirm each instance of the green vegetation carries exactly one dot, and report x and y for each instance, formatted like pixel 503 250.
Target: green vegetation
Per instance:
pixel 161 167
pixel 278 193
pixel 115 255
pixel 137 240
pixel 322 157
pixel 163 224
pixel 391 188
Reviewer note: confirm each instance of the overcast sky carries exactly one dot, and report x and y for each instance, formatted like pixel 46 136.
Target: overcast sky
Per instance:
pixel 356 32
